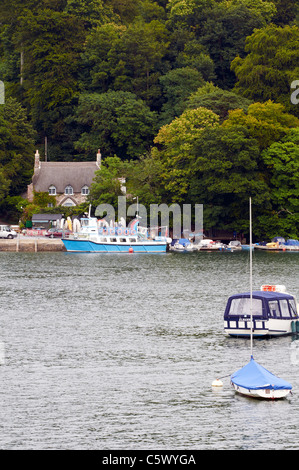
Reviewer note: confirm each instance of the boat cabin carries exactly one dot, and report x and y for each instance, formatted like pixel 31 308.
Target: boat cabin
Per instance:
pixel 270 308
pixel 264 305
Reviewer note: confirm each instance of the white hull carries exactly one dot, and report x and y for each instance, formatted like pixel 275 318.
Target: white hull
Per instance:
pixel 271 327
pixel 264 393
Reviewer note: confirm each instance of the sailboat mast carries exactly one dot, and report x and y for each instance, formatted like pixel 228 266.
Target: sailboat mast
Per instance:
pixel 250 258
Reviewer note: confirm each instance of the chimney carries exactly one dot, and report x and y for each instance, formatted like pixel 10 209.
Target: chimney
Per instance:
pixel 99 158
pixel 36 161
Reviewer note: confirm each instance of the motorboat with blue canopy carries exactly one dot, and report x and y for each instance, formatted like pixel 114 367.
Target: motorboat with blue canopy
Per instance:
pixel 181 245
pixel 255 381
pixel 274 313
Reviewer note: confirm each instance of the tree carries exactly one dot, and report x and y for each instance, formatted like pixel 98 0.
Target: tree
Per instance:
pixel 221 27
pixel 127 59
pixel 16 148
pixel 117 122
pixel 107 182
pixel 51 42
pixel 282 160
pixel 174 145
pixel 225 172
pixel 270 66
pixel 177 86
pixel 219 101
pixel 266 122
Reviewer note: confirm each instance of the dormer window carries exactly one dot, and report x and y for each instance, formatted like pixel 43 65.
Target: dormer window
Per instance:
pixel 52 190
pixel 85 190
pixel 69 190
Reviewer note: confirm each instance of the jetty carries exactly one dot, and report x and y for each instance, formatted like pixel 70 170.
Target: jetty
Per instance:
pixel 31 244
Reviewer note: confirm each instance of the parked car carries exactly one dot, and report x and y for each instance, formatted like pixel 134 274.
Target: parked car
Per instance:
pixel 57 233
pixel 7 232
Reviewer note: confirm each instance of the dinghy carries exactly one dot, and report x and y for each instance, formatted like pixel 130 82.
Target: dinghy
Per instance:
pixel 255 381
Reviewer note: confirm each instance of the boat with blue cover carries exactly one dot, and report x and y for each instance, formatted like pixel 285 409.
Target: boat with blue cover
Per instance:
pixel 100 237
pixel 274 313
pixel 255 381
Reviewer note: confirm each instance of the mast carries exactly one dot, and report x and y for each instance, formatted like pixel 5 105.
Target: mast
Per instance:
pixel 250 258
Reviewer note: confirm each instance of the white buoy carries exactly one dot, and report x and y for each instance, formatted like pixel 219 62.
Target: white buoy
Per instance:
pixel 217 383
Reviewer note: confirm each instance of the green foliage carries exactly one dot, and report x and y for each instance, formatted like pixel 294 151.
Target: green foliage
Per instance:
pixel 43 199
pixel 177 86
pixel 225 172
pixel 266 122
pixel 16 148
pixel 175 143
pixel 107 184
pixel 219 101
pixel 270 66
pixel 117 122
pixel 282 159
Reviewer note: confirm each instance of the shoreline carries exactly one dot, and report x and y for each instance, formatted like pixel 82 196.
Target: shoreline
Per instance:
pixel 34 244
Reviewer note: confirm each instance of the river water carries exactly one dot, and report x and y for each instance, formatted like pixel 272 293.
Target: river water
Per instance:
pixel 119 352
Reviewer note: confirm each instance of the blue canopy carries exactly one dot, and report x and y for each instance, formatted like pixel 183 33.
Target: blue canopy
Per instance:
pixel 184 241
pixel 253 377
pixel 292 242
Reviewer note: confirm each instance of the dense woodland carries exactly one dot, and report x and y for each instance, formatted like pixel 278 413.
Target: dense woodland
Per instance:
pixel 189 100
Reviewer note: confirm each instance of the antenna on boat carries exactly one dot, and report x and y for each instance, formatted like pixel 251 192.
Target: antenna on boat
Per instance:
pixel 250 258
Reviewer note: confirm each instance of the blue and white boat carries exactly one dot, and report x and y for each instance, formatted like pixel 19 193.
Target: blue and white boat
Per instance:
pixel 274 313
pixel 99 237
pixel 255 381
pixel 181 245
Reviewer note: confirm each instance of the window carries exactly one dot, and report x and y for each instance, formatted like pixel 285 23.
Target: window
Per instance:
pixel 52 190
pixel 242 307
pixel 293 307
pixel 132 240
pixel 274 309
pixel 85 190
pixel 69 190
pixel 284 307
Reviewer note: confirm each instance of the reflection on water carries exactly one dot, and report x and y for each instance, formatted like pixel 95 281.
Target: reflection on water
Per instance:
pixel 119 352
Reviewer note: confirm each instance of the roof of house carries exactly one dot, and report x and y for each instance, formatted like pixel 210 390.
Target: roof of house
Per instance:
pixel 62 174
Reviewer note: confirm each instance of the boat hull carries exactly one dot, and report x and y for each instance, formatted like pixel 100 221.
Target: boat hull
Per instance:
pixel 89 246
pixel 263 393
pixel 261 328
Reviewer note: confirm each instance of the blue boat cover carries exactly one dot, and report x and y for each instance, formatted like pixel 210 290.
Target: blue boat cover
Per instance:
pixel 292 242
pixel 253 377
pixel 184 241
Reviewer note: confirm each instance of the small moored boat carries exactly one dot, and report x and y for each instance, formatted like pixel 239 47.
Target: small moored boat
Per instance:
pixel 274 313
pixel 181 245
pixel 255 381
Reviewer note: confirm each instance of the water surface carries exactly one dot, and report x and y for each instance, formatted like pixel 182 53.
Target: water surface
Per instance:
pixel 119 352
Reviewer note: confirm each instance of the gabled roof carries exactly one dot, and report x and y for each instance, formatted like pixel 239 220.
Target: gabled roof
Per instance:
pixel 62 174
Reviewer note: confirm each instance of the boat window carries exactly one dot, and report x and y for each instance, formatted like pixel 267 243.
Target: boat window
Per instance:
pixel 284 308
pixel 293 308
pixel 241 306
pixel 113 240
pixel 123 240
pixel 132 239
pixel 103 239
pixel 274 309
